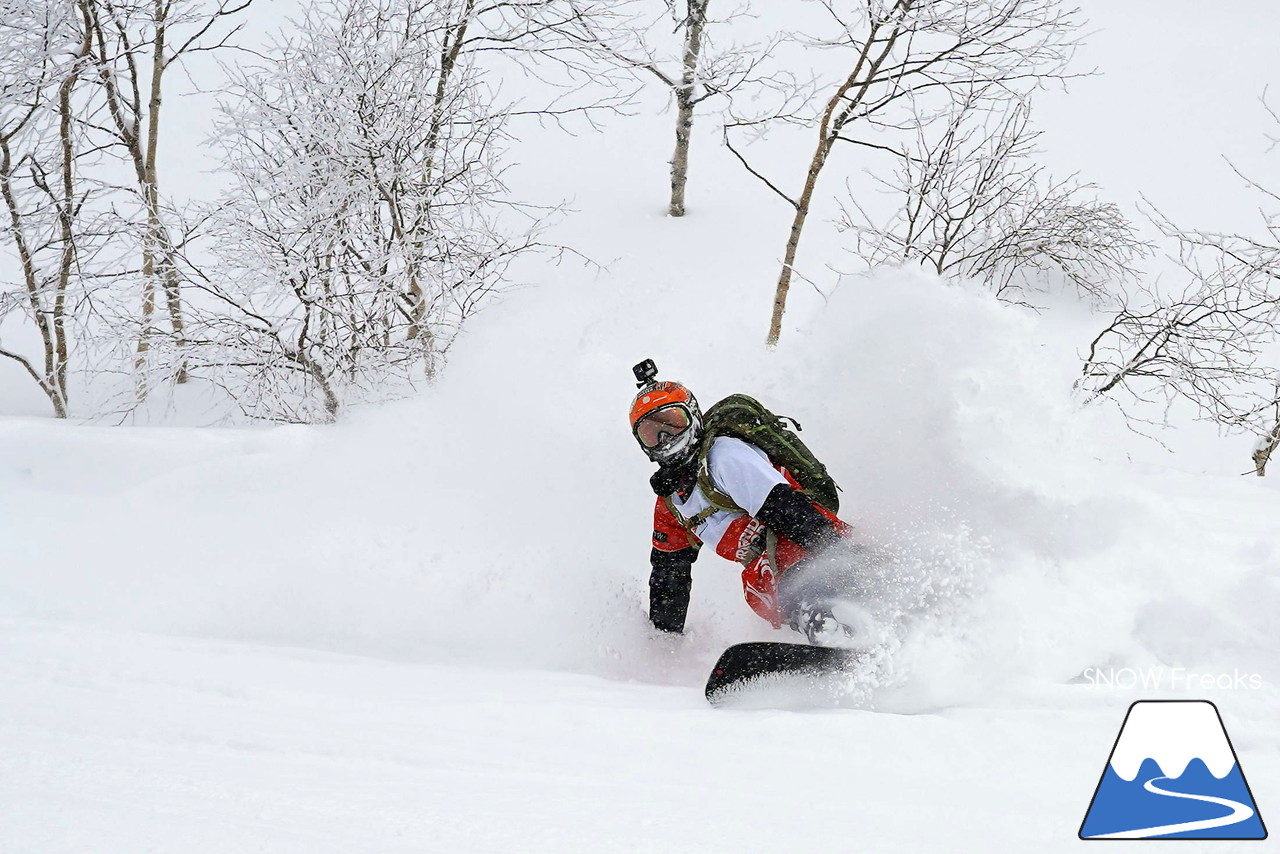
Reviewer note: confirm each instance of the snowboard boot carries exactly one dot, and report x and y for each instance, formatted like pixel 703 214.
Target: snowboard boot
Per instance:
pixel 820 626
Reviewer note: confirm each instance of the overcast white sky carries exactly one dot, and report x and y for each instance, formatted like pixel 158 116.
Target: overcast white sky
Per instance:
pixel 1178 89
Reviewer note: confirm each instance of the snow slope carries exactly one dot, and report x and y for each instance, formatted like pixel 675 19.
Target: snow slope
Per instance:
pixel 423 629
pixel 124 742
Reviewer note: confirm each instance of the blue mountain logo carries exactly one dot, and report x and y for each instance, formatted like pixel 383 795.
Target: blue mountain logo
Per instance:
pixel 1173 774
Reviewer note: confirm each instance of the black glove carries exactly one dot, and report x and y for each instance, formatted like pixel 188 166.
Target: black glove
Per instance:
pixel 669 584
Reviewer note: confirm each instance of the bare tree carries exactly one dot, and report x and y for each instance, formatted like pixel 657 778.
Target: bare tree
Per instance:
pixel 697 68
pixel 368 219
pixel 975 204
pixel 904 51
pixel 135 43
pixel 47 52
pixel 1202 346
pixel 1210 345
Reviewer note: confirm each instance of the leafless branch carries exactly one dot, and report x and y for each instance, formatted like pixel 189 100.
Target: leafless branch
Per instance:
pixel 901 53
pixel 974 204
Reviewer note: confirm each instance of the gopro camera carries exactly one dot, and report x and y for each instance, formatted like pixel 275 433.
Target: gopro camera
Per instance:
pixel 645 372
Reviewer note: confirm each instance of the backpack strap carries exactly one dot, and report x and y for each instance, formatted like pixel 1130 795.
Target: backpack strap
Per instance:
pixel 716 499
pixel 719 499
pixel 690 523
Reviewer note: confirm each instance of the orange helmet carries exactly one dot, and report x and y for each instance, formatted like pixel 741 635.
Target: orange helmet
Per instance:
pixel 666 421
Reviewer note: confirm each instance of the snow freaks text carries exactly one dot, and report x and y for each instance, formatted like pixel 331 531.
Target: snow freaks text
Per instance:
pixel 1170 678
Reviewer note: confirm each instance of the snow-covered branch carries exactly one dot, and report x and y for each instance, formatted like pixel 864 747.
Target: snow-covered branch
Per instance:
pixel 911 61
pixel 975 204
pixel 368 220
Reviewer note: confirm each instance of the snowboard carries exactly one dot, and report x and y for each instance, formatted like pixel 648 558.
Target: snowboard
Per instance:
pixel 743 662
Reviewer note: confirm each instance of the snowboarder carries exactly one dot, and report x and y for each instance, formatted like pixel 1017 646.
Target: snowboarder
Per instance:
pixel 728 493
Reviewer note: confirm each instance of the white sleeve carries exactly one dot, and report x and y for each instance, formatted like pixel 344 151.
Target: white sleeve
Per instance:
pixel 743 472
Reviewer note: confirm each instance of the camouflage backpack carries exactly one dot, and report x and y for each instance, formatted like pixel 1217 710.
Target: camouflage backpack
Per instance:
pixel 741 417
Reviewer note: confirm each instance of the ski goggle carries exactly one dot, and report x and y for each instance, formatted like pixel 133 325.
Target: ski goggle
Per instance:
pixel 669 421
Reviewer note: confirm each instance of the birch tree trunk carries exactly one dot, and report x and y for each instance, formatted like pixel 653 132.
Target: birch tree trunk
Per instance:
pixel 1265 447
pixel 67 205
pixel 134 50
pixel 695 22
pixel 158 264
pixel 48 228
pixel 840 109
pixel 793 240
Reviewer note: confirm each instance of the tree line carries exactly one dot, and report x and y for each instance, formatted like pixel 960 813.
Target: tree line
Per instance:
pixel 363 217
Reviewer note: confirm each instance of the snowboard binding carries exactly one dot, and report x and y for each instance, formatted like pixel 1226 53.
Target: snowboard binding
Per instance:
pixel 821 627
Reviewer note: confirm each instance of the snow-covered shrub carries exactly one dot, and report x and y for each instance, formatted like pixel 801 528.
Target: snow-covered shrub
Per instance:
pixel 367 219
